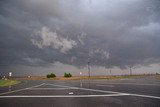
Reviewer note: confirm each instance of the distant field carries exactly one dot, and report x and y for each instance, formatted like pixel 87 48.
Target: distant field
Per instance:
pixel 84 77
pixel 158 77
pixel 4 83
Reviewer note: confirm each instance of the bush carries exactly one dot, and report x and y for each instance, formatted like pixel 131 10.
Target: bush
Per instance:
pixel 67 75
pixel 52 75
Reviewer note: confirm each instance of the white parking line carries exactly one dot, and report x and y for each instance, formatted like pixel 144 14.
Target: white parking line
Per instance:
pixel 113 92
pixel 22 89
pixel 59 85
pixel 105 85
pixel 49 88
pixel 61 96
pixel 146 96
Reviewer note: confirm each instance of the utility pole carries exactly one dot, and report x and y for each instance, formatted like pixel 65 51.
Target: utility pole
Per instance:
pixel 130 70
pixel 89 72
pixel 110 72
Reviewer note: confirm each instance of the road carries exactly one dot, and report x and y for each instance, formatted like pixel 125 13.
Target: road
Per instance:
pixel 138 92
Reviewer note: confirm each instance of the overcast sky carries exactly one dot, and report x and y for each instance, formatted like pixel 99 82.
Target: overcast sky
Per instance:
pixel 41 36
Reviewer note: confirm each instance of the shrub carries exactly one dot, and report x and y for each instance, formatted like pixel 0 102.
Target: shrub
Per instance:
pixel 51 75
pixel 67 75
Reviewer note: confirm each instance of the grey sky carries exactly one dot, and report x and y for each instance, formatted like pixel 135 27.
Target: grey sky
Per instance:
pixel 38 34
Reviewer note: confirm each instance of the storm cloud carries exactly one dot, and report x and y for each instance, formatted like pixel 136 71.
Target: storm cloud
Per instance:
pixel 109 33
pixel 46 38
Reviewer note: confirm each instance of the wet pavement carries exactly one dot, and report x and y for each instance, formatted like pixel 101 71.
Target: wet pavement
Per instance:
pixel 139 92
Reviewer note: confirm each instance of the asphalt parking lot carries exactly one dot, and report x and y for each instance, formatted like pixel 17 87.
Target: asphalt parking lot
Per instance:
pixel 140 92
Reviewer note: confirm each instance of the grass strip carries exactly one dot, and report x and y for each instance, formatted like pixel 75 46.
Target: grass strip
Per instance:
pixel 4 83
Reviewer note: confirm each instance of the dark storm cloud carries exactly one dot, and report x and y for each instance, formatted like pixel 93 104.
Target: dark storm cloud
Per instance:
pixel 111 32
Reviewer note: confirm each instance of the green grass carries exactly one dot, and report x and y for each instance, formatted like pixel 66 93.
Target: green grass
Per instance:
pixel 158 77
pixel 4 83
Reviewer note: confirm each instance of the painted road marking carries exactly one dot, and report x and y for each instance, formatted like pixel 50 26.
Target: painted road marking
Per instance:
pixel 59 85
pixel 88 89
pixel 113 93
pixel 21 89
pixel 61 96
pixel 105 85
pixel 137 95
pixel 50 88
pixel 70 93
pixel 146 96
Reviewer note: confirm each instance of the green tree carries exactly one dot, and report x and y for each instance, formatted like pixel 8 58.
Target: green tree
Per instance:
pixel 51 75
pixel 67 74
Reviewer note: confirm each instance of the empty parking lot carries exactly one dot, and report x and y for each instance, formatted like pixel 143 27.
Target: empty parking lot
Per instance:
pixel 143 92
